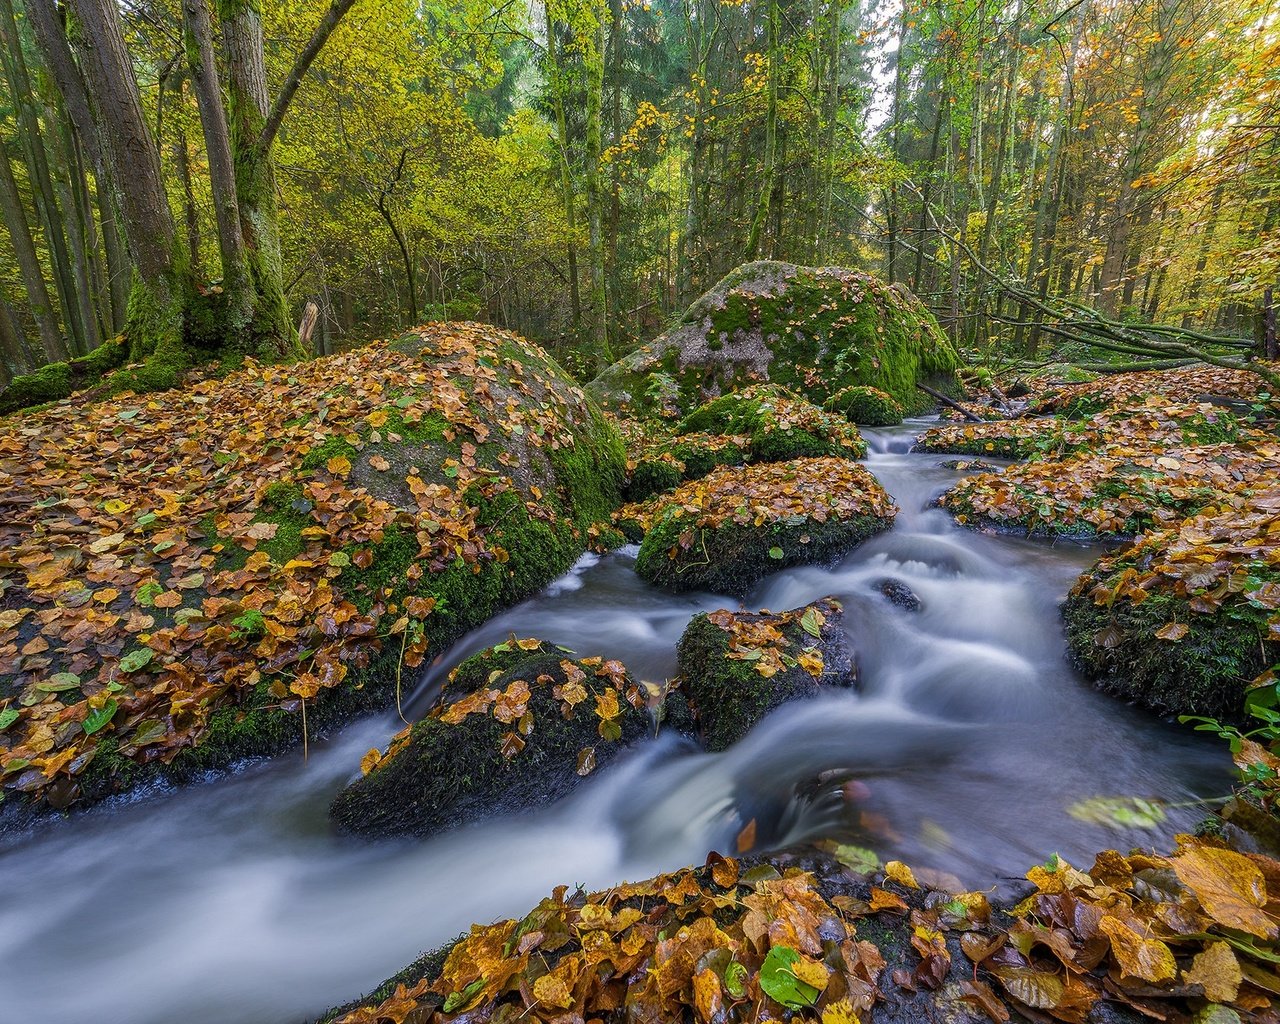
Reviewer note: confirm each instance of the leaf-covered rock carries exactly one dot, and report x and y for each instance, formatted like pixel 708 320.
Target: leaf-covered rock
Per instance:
pixel 739 666
pixel 1194 384
pixel 736 525
pixel 815 330
pixel 667 463
pixel 778 424
pixel 518 726
pixel 1184 618
pixel 207 560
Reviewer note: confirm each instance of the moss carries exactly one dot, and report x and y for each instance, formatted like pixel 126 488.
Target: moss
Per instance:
pixel 1204 673
pixel 332 447
pixel 449 774
pixel 780 425
pixel 866 406
pixel 732 558
pixel 653 476
pixel 689 457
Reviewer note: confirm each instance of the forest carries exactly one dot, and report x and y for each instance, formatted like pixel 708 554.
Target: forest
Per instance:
pixel 640 511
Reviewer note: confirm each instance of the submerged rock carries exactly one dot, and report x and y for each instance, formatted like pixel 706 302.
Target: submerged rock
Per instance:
pixel 739 666
pixel 900 594
pixel 182 571
pixel 517 726
pixel 817 330
pixel 737 525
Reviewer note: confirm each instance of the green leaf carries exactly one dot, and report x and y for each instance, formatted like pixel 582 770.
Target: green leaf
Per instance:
pixel 735 978
pixel 59 683
pixel 147 594
pixel 780 984
pixel 775 553
pixel 137 660
pixel 99 718
pixel 339 559
pixel 811 623
pixel 1118 812
pixel 7 717
pixel 459 1000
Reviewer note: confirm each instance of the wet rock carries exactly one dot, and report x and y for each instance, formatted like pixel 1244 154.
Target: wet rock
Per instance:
pixel 867 407
pixel 739 666
pixel 517 726
pixel 817 330
pixel 898 593
pixel 732 528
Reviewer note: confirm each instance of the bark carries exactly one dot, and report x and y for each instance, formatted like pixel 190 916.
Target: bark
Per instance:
pixel 236 284
pixel 271 331
pixel 594 57
pixel 770 136
pixel 15 218
pixel 562 151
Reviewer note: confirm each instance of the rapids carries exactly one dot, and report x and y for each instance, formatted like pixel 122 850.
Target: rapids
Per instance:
pixel 232 903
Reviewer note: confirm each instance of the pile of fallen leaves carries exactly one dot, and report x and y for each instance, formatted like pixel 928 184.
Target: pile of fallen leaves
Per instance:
pixel 1000 439
pixel 765 493
pixel 138 593
pixel 1189 937
pixel 1182 384
pixel 762 639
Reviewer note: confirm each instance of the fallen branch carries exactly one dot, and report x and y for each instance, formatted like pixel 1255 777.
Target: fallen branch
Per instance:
pixel 950 402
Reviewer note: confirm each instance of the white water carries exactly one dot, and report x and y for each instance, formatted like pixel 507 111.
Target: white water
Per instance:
pixel 232 903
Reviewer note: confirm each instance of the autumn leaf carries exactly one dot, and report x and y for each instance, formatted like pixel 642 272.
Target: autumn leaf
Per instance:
pixel 1139 956
pixel 1217 971
pixel 1229 887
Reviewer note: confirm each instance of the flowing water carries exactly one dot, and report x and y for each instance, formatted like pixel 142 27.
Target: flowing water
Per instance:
pixel 971 737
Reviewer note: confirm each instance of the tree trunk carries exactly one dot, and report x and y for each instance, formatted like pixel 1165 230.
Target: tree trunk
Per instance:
pixel 594 59
pixel 15 218
pixel 247 108
pixel 770 136
pixel 566 178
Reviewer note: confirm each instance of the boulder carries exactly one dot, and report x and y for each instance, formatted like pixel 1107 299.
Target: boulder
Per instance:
pixel 665 464
pixel 738 524
pixel 779 425
pixel 739 666
pixel 866 406
pixel 517 726
pixel 1184 619
pixel 816 330
pixel 183 571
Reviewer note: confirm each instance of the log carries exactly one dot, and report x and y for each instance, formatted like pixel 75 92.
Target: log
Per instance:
pixel 950 403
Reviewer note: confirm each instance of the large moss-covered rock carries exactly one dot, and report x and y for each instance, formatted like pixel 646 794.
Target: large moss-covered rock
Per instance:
pixel 665 464
pixel 816 330
pixel 517 726
pixel 739 666
pixel 1184 619
pixel 866 406
pixel 182 572
pixel 736 525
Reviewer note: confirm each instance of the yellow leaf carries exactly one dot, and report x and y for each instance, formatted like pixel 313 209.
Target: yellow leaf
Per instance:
pixel 898 872
pixel 1217 970
pixel 1173 631
pixel 811 973
pixel 706 994
pixel 370 761
pixel 339 465
pixel 1147 959
pixel 840 1012
pixel 552 991
pixel 1229 887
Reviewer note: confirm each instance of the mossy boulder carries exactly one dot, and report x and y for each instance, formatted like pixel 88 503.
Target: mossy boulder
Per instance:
pixel 739 666
pixel 1182 620
pixel 737 525
pixel 183 572
pixel 779 425
pixel 816 330
pixel 517 727
pixel 666 464
pixel 866 406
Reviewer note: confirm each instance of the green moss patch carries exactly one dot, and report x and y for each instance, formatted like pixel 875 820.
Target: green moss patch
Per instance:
pixel 866 406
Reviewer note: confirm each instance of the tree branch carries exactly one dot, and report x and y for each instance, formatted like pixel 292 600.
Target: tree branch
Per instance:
pixel 337 9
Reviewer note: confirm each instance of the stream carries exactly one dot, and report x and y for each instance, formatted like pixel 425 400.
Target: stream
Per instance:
pixel 971 737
